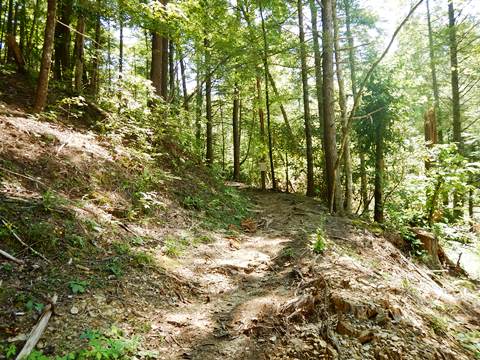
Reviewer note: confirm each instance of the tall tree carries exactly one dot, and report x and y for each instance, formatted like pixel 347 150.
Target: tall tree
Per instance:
pixel 236 134
pixel 329 130
pixel 342 100
pixel 42 85
pixel 306 101
pixel 62 40
pixel 208 103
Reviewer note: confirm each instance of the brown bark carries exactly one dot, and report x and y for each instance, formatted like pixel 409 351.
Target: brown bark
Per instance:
pixel 156 67
pixel 267 99
pixel 208 105
pixel 62 41
pixel 17 53
pixel 96 58
pixel 236 135
pixel 42 85
pixel 79 50
pixel 342 100
pixel 261 116
pixel 306 102
pixel 9 28
pixel 379 171
pixel 329 134
pixel 318 62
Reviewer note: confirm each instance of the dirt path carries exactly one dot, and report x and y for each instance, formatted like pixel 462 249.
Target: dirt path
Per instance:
pixel 239 278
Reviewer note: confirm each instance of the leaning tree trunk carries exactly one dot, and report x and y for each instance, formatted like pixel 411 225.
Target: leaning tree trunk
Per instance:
pixel 42 85
pixel 306 102
pixel 329 132
pixel 267 99
pixel 342 100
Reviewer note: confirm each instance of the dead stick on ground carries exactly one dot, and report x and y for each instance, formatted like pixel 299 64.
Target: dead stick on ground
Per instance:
pixel 23 242
pixel 11 257
pixel 24 176
pixel 37 331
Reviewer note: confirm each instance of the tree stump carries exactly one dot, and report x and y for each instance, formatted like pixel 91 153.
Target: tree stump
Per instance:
pixel 430 245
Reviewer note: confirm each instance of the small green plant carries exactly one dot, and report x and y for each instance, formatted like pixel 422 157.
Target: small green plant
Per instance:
pixel 8 351
pixel 319 241
pixel 115 267
pixel 121 248
pixel 471 341
pixel 174 246
pixel 32 305
pixel 439 325
pixel 142 259
pixel 51 201
pixel 193 202
pixel 78 286
pixel 288 253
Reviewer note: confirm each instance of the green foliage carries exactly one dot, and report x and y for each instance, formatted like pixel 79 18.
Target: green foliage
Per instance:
pixel 52 201
pixel 100 346
pixel 319 240
pixel 471 341
pixel 78 286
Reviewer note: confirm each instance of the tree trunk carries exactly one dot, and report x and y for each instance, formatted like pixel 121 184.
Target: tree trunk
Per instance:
pixel 184 81
pixel 156 67
pixel 164 84
pixel 261 116
pixel 23 26
pixel 208 105
pixel 9 29
pixel 96 58
pixel 198 107
pixel 433 69
pixel 79 50
pixel 62 41
pixel 329 134
pixel 236 135
pixel 318 63
pixel 306 102
pixel 282 108
pixel 342 100
pixel 379 171
pixel 171 71
pixel 353 79
pixel 33 30
pixel 42 85
pixel 267 99
pixel 457 124
pixel 120 47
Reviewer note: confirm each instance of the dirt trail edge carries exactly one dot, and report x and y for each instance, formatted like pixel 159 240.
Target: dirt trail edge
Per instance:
pixel 266 295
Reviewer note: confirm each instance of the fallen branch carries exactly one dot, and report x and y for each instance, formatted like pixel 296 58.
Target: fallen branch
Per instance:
pixel 37 331
pixel 24 176
pixel 11 257
pixel 23 242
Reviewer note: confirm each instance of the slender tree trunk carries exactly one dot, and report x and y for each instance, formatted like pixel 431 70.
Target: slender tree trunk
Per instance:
pixel 109 59
pixel 306 102
pixel 33 30
pixel 342 100
pixel 267 98
pixel 96 59
pixel 318 62
pixel 236 134
pixel 223 137
pixel 379 172
pixel 9 29
pixel 42 85
pixel 120 47
pixel 184 81
pixel 208 105
pixel 171 71
pixel 329 135
pixel 2 24
pixel 433 69
pixel 353 79
pixel 198 107
pixel 79 50
pixel 282 108
pixel 23 27
pixel 261 116
pixel 457 124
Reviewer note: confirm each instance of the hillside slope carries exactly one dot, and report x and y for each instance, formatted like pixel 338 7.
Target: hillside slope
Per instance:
pixel 152 258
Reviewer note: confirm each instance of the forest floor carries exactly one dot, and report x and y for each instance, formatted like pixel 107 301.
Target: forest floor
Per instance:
pixel 171 285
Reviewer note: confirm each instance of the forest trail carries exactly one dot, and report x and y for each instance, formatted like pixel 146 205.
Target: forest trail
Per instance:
pixel 265 295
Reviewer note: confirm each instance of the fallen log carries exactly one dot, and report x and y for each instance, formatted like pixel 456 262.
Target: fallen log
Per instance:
pixel 37 330
pixel 11 257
